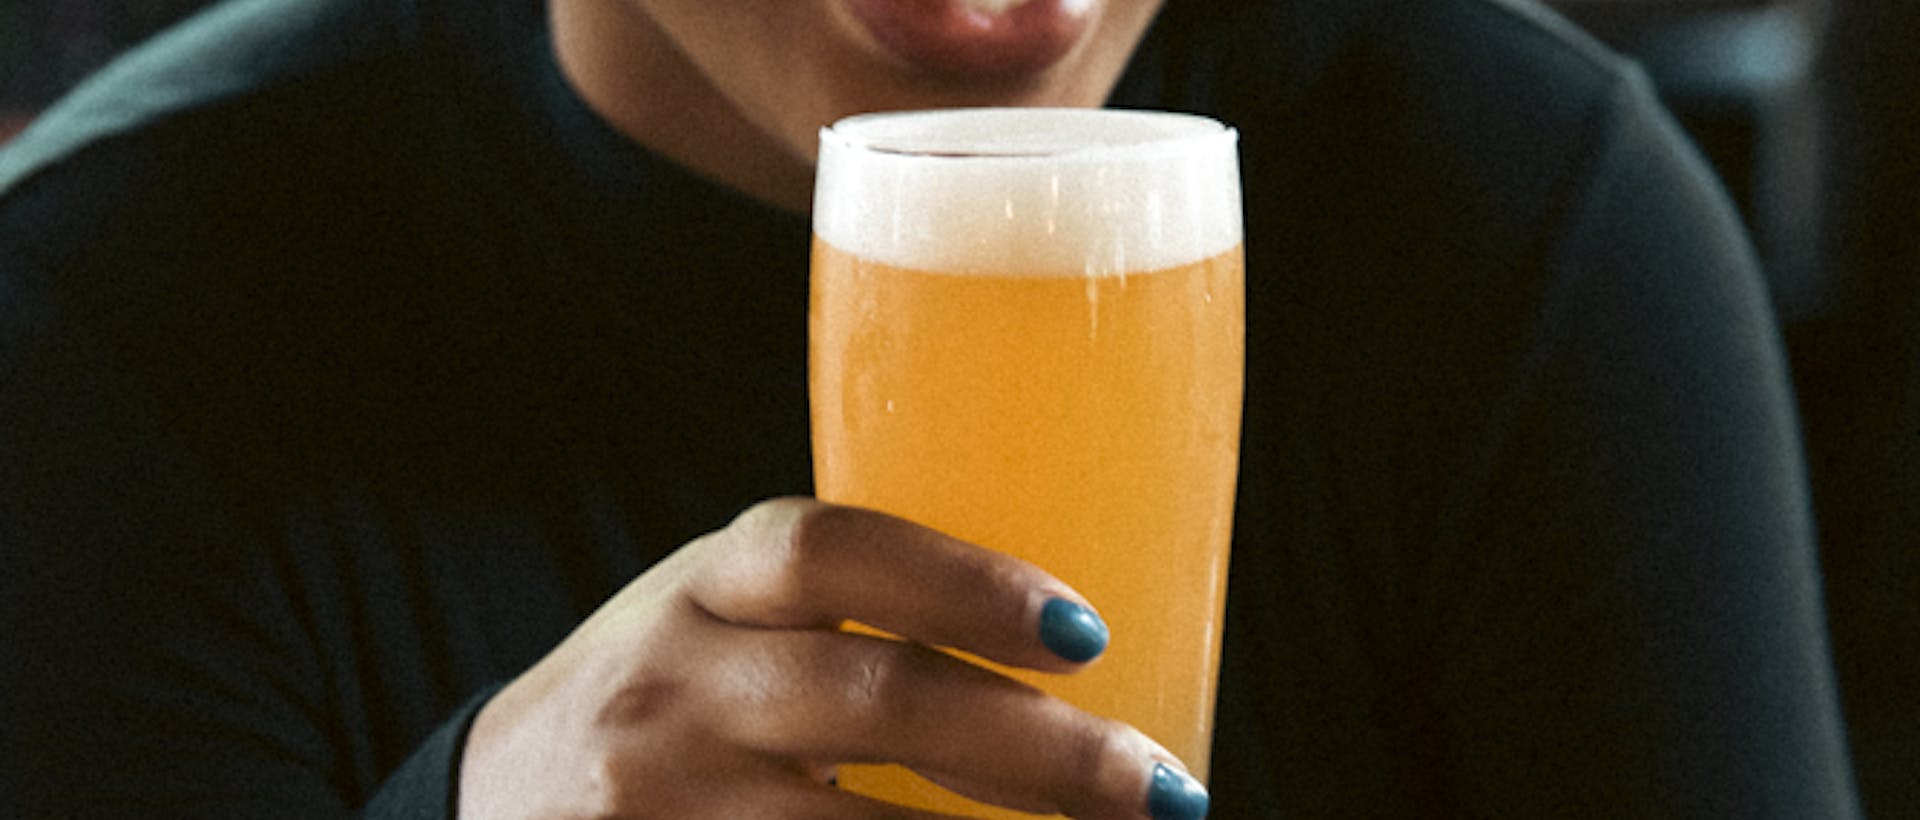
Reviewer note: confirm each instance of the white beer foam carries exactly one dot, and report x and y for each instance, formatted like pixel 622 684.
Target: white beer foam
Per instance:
pixel 1025 190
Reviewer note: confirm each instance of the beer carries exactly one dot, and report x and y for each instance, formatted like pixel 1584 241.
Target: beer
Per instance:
pixel 1054 376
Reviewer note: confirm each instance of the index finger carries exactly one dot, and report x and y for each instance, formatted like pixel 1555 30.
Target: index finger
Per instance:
pixel 802 563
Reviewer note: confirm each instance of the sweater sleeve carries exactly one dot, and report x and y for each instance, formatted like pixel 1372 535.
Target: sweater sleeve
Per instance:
pixel 427 786
pixel 159 658
pixel 1636 624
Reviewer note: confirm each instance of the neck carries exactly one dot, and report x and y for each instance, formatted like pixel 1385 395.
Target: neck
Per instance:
pixel 632 75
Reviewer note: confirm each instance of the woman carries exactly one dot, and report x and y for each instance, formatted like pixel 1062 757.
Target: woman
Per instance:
pixel 368 364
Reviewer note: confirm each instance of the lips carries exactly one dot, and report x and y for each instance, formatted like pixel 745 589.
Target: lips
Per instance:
pixel 980 39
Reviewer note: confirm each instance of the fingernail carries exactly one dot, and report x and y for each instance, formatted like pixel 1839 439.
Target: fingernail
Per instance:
pixel 1175 795
pixel 1072 630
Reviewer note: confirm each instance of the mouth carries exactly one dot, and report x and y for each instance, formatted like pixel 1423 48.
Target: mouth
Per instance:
pixel 976 39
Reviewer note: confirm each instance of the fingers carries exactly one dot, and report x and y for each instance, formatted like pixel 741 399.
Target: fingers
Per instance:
pixel 790 799
pixel 827 803
pixel 846 698
pixel 706 788
pixel 794 567
pixel 799 563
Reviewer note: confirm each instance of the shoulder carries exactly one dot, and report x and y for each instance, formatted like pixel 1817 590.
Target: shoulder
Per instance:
pixel 1510 90
pixel 1502 125
pixel 1449 140
pixel 201 216
pixel 202 150
pixel 1453 39
pixel 227 52
pixel 1254 53
pixel 1422 198
pixel 1504 104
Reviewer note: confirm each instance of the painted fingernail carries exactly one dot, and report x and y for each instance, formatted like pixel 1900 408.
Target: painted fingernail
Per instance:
pixel 1175 795
pixel 1072 630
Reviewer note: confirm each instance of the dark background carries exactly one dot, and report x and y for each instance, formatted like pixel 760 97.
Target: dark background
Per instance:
pixel 1809 110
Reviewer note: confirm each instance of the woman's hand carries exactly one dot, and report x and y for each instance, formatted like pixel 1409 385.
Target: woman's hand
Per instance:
pixel 718 685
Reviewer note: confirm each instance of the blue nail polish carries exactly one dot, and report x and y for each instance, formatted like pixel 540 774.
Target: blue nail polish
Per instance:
pixel 1175 796
pixel 1072 631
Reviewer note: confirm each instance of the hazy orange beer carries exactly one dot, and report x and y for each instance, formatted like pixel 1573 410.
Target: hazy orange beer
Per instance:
pixel 1027 331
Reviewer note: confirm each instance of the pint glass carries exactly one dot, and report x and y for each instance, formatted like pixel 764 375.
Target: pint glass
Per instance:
pixel 1027 331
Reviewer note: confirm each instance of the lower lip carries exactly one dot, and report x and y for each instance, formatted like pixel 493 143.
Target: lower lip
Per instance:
pixel 952 38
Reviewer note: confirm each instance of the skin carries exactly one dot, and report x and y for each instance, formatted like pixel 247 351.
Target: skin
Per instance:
pixel 717 684
pixel 739 90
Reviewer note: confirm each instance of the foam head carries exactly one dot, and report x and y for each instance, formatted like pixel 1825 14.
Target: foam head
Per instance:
pixel 1029 191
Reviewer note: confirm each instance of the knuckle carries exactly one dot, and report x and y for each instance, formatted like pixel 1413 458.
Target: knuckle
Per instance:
pixel 811 554
pixel 788 532
pixel 816 530
pixel 608 789
pixel 611 787
pixel 879 689
pixel 635 760
pixel 770 515
pixel 766 560
pixel 642 702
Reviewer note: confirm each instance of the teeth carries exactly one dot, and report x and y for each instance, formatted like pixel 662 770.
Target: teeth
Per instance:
pixel 993 6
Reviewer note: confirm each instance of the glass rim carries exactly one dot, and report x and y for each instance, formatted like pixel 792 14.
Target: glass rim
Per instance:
pixel 1025 134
